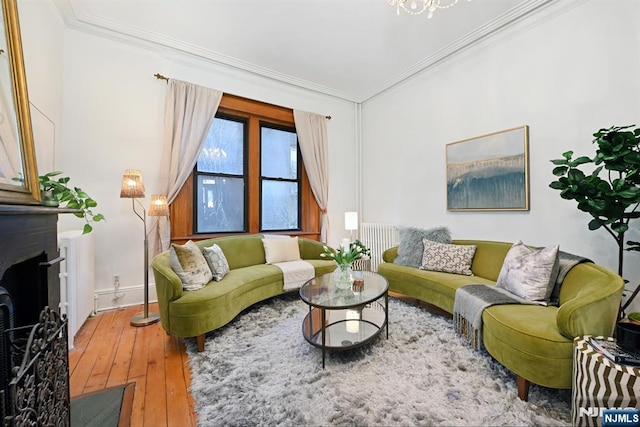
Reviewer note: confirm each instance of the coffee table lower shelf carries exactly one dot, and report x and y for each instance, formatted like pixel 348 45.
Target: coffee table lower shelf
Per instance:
pixel 344 328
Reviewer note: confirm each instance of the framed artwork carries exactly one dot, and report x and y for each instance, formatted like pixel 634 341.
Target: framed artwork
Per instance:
pixel 489 172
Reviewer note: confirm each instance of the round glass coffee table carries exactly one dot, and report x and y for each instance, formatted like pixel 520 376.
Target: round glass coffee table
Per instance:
pixel 341 319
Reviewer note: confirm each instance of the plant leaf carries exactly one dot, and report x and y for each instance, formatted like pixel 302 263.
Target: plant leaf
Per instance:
pixel 560 170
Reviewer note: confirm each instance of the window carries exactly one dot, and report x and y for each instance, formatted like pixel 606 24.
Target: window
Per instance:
pixel 220 179
pixel 279 159
pixel 249 177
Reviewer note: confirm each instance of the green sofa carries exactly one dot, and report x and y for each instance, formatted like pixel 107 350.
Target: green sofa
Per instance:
pixel 250 280
pixel 534 342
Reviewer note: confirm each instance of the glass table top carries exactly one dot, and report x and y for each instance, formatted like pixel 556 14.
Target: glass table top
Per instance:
pixel 322 291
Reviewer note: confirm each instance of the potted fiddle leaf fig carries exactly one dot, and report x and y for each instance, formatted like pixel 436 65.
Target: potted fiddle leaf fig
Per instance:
pixel 610 193
pixel 56 192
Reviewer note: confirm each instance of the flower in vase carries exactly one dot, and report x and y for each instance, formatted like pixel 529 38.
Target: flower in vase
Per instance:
pixel 346 255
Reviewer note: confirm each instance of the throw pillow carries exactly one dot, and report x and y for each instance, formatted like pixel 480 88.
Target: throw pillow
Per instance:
pixel 190 265
pixel 217 261
pixel 411 248
pixel 448 258
pixel 529 273
pixel 281 250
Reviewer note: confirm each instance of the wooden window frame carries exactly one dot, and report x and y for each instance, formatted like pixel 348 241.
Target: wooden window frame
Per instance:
pixel 255 112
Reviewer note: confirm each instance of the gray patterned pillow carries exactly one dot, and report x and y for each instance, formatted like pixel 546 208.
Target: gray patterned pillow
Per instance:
pixel 410 249
pixel 217 261
pixel 529 273
pixel 447 258
pixel 190 266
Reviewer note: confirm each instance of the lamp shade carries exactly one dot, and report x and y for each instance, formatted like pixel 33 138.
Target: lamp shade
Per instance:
pixel 351 220
pixel 159 206
pixel 132 185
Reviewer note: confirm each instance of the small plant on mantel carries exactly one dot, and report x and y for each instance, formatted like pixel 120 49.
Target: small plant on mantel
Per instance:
pixel 56 192
pixel 613 201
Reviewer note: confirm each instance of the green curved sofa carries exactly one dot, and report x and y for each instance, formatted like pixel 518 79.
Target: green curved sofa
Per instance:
pixel 250 280
pixel 532 341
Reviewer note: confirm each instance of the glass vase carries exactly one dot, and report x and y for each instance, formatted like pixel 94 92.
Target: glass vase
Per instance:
pixel 343 276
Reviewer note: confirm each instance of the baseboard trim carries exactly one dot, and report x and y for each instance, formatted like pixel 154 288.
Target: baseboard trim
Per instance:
pixel 109 299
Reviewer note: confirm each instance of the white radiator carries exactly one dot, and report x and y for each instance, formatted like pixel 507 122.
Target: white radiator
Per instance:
pixel 77 278
pixel 378 238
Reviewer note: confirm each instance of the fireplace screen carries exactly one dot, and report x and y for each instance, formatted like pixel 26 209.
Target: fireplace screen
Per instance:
pixel 7 323
pixel 38 391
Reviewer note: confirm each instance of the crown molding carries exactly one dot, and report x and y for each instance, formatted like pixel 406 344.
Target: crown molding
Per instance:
pixel 77 19
pixel 500 23
pixel 80 20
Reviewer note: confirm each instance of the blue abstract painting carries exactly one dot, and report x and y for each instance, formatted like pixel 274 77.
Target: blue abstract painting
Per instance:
pixel 489 172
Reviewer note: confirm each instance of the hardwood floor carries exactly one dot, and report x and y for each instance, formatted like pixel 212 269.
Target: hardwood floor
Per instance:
pixel 109 351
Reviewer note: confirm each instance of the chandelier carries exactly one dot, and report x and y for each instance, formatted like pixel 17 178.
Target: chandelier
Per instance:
pixel 415 9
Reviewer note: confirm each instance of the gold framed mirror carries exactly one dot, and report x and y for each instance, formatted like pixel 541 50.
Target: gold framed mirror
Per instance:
pixel 18 171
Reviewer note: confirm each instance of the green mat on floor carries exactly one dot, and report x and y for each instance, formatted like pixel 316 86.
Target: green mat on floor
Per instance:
pixel 101 408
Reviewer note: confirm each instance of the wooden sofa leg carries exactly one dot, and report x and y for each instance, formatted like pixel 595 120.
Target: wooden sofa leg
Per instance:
pixel 200 341
pixel 523 388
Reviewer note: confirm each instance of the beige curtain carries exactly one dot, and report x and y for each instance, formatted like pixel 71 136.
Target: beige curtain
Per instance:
pixel 312 136
pixel 189 112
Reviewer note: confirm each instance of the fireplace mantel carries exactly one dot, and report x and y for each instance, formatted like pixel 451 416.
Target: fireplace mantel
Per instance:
pixel 33 210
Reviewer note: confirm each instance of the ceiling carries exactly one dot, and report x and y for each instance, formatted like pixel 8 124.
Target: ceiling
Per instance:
pixel 351 49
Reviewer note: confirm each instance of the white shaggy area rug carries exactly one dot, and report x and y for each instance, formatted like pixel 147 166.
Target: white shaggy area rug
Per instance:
pixel 259 371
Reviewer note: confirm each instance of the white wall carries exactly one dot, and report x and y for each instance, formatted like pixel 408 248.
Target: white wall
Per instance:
pixel 111 120
pixel 42 39
pixel 565 77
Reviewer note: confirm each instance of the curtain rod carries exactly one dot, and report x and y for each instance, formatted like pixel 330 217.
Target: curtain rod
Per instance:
pixel 161 77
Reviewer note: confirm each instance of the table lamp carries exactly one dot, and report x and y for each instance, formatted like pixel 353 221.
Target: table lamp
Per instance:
pixel 351 222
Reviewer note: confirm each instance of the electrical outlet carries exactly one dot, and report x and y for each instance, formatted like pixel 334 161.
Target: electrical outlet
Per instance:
pixel 116 281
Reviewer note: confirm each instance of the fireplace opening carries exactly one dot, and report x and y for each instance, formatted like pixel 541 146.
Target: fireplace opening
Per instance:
pixel 23 296
pixel 33 341
pixel 26 284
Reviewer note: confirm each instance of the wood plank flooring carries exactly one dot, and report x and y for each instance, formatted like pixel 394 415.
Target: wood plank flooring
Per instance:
pixel 109 351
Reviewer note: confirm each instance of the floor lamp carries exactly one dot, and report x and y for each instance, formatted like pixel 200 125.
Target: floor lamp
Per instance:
pixel 133 188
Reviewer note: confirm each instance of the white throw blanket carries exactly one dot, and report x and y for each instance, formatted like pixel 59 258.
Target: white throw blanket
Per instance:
pixel 295 273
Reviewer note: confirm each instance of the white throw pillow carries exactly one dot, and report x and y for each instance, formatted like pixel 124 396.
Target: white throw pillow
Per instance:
pixel 190 265
pixel 217 261
pixel 281 250
pixel 447 258
pixel 530 273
